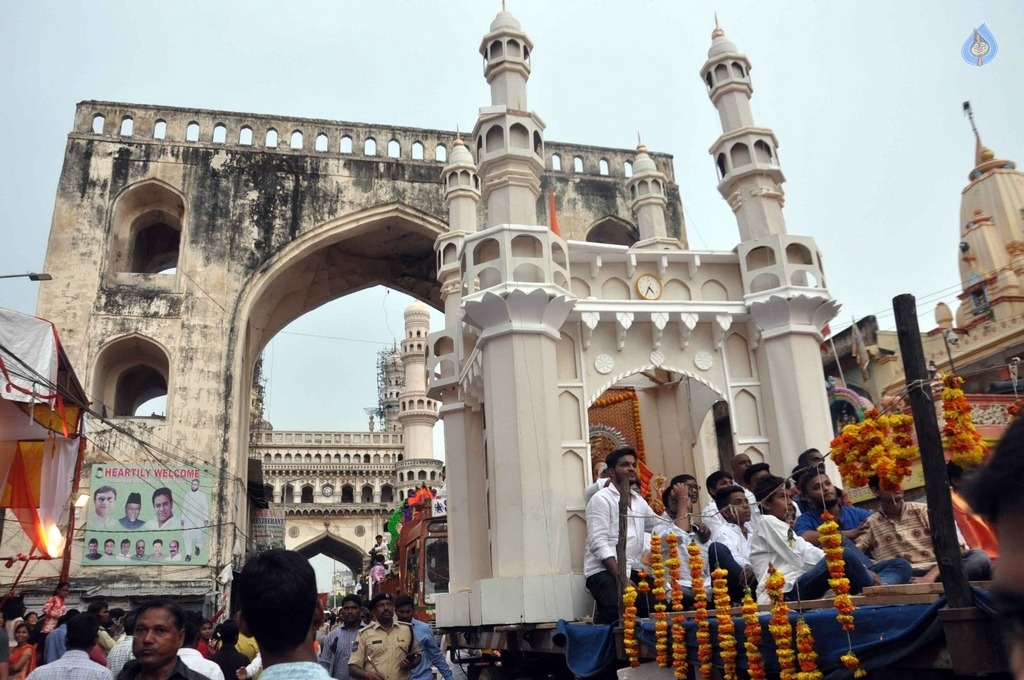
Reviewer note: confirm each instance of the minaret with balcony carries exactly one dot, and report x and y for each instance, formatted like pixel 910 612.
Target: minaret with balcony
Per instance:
pixel 783 281
pixel 515 299
pixel 647 200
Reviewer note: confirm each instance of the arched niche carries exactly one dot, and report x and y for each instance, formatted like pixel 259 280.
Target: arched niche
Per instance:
pixel 613 230
pixel 130 372
pixel 147 223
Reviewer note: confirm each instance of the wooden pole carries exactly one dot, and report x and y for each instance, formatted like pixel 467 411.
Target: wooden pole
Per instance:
pixel 940 505
pixel 624 486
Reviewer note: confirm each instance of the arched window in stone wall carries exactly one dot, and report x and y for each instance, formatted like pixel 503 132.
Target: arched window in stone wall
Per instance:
pixel 307 493
pixel 347 494
pixel 160 129
pixel 422 474
pixel 130 378
pixel 146 229
pixel 268 493
pixel 366 495
pixel 613 230
pixel 387 494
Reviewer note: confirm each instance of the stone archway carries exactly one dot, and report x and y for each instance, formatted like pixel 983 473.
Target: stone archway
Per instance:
pixel 390 245
pixel 334 547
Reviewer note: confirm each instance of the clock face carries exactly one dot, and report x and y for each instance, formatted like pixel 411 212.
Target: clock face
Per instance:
pixel 327 490
pixel 648 286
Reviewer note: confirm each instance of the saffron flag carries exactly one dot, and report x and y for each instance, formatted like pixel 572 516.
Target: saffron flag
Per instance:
pixel 552 215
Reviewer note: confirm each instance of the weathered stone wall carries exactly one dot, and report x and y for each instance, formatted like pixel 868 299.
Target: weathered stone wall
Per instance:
pixel 250 212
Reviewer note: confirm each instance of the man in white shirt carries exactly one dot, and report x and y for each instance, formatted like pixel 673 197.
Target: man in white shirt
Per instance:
pixel 730 542
pixel 599 564
pixel 710 515
pixel 189 652
pixel 802 565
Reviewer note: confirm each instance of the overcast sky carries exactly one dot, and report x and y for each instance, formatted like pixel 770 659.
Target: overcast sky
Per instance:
pixel 865 99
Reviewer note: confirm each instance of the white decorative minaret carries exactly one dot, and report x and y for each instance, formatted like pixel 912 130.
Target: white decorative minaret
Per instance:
pixel 647 200
pixel 463 418
pixel 417 414
pixel 745 155
pixel 509 142
pixel 783 281
pixel 394 383
pixel 515 283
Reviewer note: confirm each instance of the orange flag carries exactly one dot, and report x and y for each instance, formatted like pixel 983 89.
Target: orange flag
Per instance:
pixel 552 215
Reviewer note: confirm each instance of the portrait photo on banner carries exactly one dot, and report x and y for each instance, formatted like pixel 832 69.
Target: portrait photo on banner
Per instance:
pixel 147 516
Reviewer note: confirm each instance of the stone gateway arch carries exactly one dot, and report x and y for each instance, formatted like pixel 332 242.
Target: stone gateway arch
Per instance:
pixel 183 240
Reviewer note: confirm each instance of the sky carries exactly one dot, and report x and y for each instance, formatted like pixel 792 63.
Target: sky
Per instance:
pixel 865 99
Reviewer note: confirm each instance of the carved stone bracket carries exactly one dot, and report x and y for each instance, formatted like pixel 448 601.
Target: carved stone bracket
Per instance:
pixel 687 322
pixel 723 322
pixel 590 321
pixel 658 322
pixel 623 320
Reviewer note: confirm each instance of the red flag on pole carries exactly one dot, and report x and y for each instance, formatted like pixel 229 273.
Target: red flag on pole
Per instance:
pixel 552 215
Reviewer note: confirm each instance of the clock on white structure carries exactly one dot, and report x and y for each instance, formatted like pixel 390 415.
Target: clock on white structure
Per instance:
pixel 648 286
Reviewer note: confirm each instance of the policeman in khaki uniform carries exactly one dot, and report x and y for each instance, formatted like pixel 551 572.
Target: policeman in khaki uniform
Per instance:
pixel 386 649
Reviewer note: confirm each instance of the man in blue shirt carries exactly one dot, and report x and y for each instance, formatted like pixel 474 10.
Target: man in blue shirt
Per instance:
pixel 338 646
pixel 820 494
pixel 431 654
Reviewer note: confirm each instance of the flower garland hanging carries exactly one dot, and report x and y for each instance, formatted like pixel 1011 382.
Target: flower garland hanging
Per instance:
pixel 880 445
pixel 629 639
pixel 806 655
pixel 752 633
pixel 700 607
pixel 832 544
pixel 779 625
pixel 674 565
pixel 661 643
pixel 967 448
pixel 726 629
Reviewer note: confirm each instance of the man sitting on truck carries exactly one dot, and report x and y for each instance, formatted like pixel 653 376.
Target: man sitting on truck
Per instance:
pixel 600 565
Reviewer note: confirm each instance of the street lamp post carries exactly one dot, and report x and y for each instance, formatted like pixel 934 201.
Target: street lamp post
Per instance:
pixel 32 276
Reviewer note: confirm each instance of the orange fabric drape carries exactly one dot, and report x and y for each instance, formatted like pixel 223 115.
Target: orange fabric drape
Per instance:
pixel 21 494
pixel 976 531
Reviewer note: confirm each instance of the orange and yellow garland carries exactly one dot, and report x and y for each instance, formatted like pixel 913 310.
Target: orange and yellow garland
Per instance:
pixel 621 396
pixel 700 607
pixel 752 632
pixel 629 640
pixel 806 655
pixel 779 625
pixel 832 544
pixel 880 445
pixel 726 630
pixel 661 644
pixel 674 565
pixel 963 441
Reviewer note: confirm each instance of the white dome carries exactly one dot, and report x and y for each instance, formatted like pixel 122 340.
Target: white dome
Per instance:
pixel 505 20
pixel 643 162
pixel 460 154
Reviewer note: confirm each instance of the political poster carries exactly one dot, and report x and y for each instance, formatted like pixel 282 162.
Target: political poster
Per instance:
pixel 142 516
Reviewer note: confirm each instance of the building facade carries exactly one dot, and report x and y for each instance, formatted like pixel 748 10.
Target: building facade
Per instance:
pixel 184 240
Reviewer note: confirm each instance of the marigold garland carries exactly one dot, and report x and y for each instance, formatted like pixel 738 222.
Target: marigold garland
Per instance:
pixel 880 445
pixel 726 629
pixel 674 565
pixel 679 647
pixel 661 643
pixel 806 655
pixel 832 543
pixel 779 625
pixel 752 633
pixel 629 640
pixel 963 441
pixel 700 607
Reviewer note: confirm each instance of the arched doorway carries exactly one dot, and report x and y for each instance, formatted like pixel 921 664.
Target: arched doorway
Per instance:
pixel 335 548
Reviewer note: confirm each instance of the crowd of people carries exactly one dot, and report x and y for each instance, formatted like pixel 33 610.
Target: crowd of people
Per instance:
pixel 279 633
pixel 754 519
